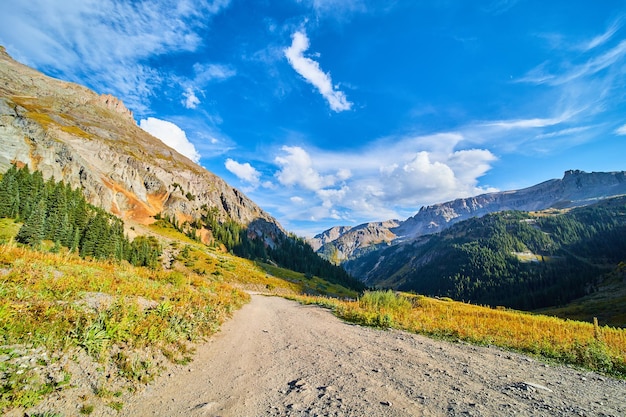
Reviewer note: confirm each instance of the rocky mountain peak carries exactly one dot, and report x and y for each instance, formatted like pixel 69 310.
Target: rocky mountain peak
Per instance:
pixel 115 104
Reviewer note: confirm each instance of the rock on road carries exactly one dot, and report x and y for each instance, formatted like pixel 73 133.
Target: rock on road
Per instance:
pixel 278 358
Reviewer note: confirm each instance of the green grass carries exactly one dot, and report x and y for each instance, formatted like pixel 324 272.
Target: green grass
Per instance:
pixel 309 285
pixel 118 314
pixel 8 229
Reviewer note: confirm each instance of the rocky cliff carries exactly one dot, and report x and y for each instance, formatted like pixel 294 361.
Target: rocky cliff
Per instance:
pixel 576 188
pixel 343 242
pixel 91 141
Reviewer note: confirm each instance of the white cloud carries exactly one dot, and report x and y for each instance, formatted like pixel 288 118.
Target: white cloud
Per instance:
pixel 604 37
pixel 296 168
pixel 621 130
pixel 104 43
pixel 244 172
pixel 391 179
pixel 191 101
pixel 571 72
pixel 209 72
pixel 311 71
pixel 171 135
pixel 525 123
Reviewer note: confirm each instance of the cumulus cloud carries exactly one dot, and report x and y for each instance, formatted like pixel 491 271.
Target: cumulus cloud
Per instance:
pixel 311 71
pixel 297 169
pixel 244 172
pixel 171 135
pixel 391 179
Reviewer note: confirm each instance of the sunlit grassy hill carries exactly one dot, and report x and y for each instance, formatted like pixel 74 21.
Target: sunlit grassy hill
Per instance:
pixel 58 310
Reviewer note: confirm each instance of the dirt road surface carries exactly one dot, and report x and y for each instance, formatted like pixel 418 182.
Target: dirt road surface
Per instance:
pixel 279 358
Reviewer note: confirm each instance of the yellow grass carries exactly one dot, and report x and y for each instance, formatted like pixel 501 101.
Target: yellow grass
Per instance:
pixel 599 348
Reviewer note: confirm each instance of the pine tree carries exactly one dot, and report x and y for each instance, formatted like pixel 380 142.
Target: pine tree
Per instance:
pixel 9 194
pixel 32 231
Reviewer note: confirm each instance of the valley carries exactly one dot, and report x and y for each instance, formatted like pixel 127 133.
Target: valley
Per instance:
pixel 135 282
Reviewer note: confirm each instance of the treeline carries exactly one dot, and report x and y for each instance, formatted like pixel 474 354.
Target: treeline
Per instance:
pixel 55 212
pixel 514 259
pixel 288 252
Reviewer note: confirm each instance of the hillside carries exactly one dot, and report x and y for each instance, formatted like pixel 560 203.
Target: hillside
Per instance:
pixel 515 259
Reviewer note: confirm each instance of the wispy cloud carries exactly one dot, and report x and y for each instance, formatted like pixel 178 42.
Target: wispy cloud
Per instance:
pixel 337 8
pixel 621 130
pixel 171 135
pixel 500 6
pixel 604 37
pixel 190 101
pixel 203 75
pixel 594 64
pixel 525 123
pixel 104 43
pixel 311 71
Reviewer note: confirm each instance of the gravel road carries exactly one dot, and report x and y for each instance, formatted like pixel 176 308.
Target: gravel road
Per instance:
pixel 279 358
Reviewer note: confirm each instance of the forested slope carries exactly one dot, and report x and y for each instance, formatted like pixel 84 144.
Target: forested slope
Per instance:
pixel 515 259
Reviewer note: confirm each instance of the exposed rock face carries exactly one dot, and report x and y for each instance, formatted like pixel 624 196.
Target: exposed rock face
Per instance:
pixel 342 243
pixel 91 141
pixel 577 188
pixel 328 236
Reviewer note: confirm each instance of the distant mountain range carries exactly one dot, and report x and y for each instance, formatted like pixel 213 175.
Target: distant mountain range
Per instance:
pixel 345 245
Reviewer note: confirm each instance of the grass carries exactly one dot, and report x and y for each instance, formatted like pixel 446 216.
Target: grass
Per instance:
pixel 597 348
pixel 60 302
pixel 8 229
pixel 308 285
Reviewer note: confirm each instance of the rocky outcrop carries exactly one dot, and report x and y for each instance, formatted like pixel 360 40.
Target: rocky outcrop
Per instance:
pixel 342 243
pixel 91 141
pixel 328 236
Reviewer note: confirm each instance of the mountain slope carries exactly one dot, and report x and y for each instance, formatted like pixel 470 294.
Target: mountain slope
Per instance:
pixel 91 141
pixel 515 259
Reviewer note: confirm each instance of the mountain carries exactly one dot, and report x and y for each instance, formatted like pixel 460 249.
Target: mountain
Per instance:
pixel 91 141
pixel 575 189
pixel 341 243
pixel 523 260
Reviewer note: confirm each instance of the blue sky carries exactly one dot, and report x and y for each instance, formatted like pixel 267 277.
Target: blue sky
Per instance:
pixel 330 112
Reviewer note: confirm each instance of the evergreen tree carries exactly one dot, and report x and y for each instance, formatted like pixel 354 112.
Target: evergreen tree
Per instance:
pixel 32 231
pixel 9 194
